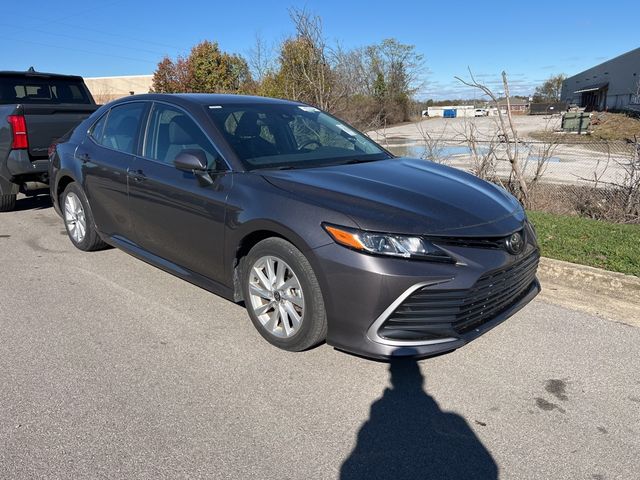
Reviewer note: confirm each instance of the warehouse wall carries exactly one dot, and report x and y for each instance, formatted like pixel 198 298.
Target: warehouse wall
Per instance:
pixel 621 73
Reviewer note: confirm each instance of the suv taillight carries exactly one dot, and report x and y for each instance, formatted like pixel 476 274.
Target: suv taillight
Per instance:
pixel 19 138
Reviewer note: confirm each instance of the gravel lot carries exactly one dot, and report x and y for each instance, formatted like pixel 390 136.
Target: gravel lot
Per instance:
pixel 111 368
pixel 450 128
pixel 569 163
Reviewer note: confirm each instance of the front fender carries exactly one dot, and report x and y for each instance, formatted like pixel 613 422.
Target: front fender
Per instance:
pixel 255 208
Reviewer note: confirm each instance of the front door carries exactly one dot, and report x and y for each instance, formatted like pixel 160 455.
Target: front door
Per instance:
pixel 176 216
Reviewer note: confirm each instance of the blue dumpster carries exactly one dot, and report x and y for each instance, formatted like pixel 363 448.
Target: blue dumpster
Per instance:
pixel 449 113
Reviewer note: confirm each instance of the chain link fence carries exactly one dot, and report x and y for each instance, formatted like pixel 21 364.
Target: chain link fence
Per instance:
pixel 575 175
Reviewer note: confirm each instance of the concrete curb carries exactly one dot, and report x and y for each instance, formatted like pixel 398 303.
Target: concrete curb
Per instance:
pixel 586 278
pixel 612 295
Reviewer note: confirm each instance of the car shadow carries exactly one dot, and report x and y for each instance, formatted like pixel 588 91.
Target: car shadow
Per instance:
pixel 408 436
pixel 39 201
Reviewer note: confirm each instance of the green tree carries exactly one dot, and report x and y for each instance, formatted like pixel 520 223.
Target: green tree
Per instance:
pixel 164 78
pixel 207 69
pixel 550 89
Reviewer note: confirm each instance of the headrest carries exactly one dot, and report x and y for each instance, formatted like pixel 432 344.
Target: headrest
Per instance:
pixel 248 125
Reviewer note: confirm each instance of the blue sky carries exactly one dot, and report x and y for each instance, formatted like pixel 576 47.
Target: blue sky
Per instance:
pixel 530 40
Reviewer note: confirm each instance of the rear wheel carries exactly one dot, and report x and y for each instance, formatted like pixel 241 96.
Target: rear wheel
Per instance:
pixel 78 219
pixel 7 203
pixel 283 297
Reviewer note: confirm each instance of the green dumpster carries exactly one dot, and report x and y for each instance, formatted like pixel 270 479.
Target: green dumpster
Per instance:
pixel 576 122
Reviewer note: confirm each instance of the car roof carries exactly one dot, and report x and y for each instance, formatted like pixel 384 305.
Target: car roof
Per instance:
pixel 209 99
pixel 35 74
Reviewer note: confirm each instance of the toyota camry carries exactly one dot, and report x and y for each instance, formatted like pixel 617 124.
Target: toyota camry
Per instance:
pixel 321 233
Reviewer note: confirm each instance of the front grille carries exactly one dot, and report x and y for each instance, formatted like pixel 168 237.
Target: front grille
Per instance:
pixel 490 242
pixel 475 242
pixel 431 314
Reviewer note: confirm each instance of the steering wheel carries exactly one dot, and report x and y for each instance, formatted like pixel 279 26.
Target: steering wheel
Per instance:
pixel 309 142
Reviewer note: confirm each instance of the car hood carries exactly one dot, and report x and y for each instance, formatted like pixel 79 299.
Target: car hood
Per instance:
pixel 404 195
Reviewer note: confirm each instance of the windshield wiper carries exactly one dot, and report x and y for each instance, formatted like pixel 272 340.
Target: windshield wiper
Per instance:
pixel 277 167
pixel 351 161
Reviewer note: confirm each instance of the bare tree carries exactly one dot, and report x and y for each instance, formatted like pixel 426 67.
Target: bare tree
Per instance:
pixel 630 188
pixel 508 133
pixel 483 152
pixel 433 144
pixel 305 61
pixel 261 59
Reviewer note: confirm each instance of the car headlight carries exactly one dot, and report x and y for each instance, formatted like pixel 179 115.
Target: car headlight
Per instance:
pixel 404 246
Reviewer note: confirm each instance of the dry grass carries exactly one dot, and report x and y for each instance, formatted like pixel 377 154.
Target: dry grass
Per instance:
pixel 614 126
pixel 604 126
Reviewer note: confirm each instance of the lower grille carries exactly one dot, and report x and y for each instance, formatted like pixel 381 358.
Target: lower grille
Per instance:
pixel 431 314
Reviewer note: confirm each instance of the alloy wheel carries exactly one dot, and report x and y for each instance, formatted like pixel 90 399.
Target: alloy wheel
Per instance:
pixel 276 296
pixel 74 217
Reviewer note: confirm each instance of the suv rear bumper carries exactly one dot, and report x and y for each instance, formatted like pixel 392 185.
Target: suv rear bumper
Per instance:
pixel 19 167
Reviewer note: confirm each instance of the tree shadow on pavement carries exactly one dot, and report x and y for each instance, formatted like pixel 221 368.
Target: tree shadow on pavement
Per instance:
pixel 407 436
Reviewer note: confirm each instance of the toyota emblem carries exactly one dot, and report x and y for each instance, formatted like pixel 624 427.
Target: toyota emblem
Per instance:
pixel 515 243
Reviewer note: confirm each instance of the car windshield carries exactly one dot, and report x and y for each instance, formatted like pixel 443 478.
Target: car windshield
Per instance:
pixel 267 135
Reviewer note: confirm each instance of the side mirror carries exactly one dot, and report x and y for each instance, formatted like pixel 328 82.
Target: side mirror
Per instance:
pixel 191 160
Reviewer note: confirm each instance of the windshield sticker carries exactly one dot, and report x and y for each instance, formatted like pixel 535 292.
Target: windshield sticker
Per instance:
pixel 308 109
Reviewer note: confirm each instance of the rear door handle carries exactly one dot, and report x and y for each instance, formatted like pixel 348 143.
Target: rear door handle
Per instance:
pixel 84 157
pixel 136 175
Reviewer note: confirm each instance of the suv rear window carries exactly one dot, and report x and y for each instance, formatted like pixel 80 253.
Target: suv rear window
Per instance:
pixel 36 90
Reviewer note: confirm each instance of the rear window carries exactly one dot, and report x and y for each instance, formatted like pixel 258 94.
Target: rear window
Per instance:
pixel 38 90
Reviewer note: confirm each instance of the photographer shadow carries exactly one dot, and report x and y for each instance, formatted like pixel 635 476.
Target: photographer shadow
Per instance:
pixel 407 436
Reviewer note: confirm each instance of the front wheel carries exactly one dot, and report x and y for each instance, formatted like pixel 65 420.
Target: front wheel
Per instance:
pixel 78 219
pixel 283 297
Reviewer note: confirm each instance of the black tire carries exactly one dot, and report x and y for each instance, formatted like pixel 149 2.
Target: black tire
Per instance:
pixel 7 203
pixel 313 326
pixel 91 240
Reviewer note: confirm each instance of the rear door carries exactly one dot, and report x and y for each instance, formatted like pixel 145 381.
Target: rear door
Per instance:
pixel 176 216
pixel 107 155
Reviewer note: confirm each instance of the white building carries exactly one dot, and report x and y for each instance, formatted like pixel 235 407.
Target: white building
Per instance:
pixel 460 111
pixel 105 89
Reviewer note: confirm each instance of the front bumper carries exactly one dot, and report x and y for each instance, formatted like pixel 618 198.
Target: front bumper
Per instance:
pixel 361 291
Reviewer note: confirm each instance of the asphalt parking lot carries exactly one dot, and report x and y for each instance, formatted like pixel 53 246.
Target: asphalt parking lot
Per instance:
pixel 111 368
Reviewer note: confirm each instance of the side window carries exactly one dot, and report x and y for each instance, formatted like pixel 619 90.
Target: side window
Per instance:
pixel 122 127
pixel 170 132
pixel 97 129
